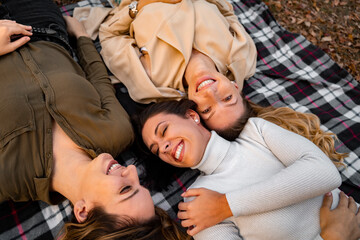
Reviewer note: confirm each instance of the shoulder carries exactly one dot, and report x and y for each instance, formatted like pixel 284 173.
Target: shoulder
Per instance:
pixel 260 124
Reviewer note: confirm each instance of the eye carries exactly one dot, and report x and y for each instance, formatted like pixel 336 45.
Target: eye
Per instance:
pixel 163 133
pixel 125 189
pixel 157 152
pixel 228 98
pixel 207 110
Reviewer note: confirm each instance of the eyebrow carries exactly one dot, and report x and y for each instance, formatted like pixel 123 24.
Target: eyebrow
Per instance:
pixel 156 129
pixel 133 194
pixel 213 112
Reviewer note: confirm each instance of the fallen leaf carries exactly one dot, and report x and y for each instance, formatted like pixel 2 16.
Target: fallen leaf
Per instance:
pixel 351 38
pixel 308 24
pixel 326 39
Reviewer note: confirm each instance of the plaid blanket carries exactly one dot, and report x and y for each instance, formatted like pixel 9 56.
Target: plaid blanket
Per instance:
pixel 290 72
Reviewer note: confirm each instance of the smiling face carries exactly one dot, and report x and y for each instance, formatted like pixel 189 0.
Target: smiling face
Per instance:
pixel 218 99
pixel 179 141
pixel 116 188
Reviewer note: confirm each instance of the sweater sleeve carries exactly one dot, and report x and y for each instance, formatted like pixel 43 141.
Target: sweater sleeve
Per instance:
pixel 224 230
pixel 308 173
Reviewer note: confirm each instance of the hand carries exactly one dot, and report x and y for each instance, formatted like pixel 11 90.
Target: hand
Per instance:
pixel 10 28
pixel 341 223
pixel 143 3
pixel 75 28
pixel 207 209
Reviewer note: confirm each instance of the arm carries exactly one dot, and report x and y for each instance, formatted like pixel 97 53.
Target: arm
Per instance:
pixel 122 55
pixel 91 62
pixel 308 173
pixel 104 105
pixel 243 54
pixel 10 29
pixel 224 230
pixel 341 223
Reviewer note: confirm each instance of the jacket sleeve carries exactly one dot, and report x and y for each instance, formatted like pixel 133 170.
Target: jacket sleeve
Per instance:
pixel 110 115
pixel 307 173
pixel 121 55
pixel 243 53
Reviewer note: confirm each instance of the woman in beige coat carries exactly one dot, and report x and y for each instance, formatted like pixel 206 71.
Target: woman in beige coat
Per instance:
pixel 153 52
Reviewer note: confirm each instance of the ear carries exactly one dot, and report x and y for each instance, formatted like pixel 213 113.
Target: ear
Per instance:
pixel 193 115
pixel 81 211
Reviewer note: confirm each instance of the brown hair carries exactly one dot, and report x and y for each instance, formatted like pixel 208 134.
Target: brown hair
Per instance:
pixel 103 226
pixel 305 124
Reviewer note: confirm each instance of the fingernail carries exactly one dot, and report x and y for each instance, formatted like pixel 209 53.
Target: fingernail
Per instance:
pixel 328 194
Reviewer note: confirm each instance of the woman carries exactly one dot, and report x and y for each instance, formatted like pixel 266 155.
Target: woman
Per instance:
pixel 270 184
pixel 162 40
pixel 62 125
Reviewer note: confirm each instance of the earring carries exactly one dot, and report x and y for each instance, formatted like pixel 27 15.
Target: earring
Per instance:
pixel 196 120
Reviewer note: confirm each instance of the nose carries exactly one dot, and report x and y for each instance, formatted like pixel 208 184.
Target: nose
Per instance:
pixel 165 147
pixel 129 170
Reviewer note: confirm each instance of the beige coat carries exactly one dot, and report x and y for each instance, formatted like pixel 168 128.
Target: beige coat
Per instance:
pixel 169 32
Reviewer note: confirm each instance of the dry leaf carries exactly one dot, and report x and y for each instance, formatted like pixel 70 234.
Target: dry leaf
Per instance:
pixel 351 38
pixel 308 24
pixel 326 39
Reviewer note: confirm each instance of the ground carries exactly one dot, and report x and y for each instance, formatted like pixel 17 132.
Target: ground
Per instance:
pixel 333 25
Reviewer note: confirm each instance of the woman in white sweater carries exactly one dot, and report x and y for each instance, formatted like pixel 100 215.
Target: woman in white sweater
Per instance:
pixel 272 179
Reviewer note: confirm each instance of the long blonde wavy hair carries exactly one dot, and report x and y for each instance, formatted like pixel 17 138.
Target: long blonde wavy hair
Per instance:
pixel 304 124
pixel 103 226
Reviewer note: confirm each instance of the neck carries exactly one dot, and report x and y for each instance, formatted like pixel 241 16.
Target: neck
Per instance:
pixel 69 165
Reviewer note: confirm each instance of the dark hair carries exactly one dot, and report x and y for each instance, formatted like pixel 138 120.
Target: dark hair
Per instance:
pixel 170 107
pixel 158 174
pixel 104 226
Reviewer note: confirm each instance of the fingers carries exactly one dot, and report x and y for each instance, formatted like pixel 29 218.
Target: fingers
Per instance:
pixel 183 206
pixel 193 231
pixel 328 198
pixel 18 43
pixel 352 205
pixel 187 223
pixel 192 192
pixel 182 215
pixel 16 28
pixel 343 202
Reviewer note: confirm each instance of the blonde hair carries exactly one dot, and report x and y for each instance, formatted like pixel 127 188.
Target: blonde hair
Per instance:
pixel 304 124
pixel 103 226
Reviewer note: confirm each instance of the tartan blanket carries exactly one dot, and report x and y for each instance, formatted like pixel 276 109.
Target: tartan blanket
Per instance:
pixel 290 72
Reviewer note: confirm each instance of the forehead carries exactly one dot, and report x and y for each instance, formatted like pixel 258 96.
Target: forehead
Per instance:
pixel 153 122
pixel 225 116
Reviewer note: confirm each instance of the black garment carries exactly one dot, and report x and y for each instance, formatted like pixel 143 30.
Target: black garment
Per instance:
pixel 38 14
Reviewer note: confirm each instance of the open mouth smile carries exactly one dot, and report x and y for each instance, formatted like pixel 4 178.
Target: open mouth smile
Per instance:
pixel 204 84
pixel 178 152
pixel 113 165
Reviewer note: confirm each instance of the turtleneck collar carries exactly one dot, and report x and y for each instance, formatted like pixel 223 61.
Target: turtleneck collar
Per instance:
pixel 215 152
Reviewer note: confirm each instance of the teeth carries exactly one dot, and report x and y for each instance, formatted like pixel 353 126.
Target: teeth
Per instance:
pixel 112 167
pixel 204 83
pixel 178 151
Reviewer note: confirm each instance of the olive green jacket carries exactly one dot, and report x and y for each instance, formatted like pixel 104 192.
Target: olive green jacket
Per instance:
pixel 40 82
